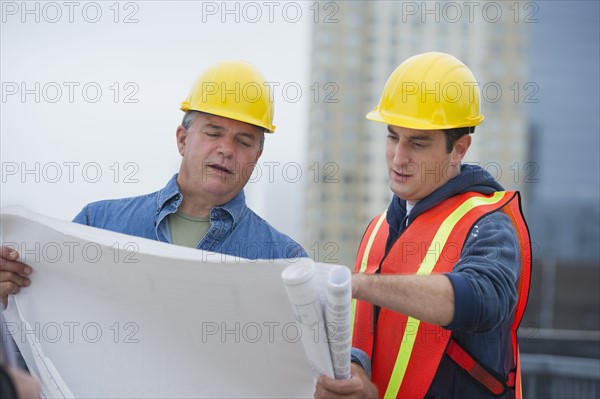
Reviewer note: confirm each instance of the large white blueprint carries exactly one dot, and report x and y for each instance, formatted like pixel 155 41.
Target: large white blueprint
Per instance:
pixel 110 315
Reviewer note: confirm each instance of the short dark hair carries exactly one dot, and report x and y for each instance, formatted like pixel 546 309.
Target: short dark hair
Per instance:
pixel 454 134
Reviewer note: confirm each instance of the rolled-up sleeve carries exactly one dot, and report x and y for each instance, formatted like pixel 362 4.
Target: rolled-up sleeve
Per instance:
pixel 362 359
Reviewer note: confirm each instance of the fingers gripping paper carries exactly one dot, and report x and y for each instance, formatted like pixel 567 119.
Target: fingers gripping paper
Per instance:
pixel 111 315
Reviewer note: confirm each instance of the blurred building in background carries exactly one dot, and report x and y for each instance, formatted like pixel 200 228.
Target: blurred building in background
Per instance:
pixel 561 327
pixel 353 55
pixel 565 128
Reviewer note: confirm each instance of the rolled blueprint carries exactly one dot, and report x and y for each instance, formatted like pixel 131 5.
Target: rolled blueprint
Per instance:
pixel 338 319
pixel 301 285
pixel 321 296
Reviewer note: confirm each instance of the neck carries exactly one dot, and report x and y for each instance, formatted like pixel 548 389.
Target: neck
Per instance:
pixel 198 204
pixel 453 171
pixel 194 207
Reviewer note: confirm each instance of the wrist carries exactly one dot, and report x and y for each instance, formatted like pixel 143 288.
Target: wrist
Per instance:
pixel 356 277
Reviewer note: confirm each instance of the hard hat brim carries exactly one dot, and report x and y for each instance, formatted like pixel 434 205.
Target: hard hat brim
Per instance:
pixel 414 123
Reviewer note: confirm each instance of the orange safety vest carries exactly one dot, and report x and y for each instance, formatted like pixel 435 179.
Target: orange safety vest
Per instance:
pixel 407 351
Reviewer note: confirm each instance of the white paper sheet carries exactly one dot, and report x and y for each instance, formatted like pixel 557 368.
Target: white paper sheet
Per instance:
pixel 118 316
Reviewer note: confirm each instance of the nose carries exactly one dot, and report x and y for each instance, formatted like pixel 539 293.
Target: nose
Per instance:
pixel 401 155
pixel 226 147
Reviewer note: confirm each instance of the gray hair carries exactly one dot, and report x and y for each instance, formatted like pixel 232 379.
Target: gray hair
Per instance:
pixel 191 115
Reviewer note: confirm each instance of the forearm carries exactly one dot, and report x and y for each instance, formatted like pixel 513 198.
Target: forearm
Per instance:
pixel 426 298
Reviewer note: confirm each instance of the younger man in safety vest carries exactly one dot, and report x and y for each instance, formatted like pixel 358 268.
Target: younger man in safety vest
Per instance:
pixel 442 276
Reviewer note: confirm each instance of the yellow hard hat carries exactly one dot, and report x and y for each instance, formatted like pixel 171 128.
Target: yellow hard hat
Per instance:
pixel 235 90
pixel 430 91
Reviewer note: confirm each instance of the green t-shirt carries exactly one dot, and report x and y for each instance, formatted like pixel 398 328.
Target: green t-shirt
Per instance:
pixel 187 230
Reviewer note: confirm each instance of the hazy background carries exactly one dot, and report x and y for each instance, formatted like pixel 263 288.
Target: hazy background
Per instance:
pixel 82 144
pixel 90 102
pixel 91 94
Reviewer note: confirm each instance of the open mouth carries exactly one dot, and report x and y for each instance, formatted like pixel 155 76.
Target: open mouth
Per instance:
pixel 219 168
pixel 401 175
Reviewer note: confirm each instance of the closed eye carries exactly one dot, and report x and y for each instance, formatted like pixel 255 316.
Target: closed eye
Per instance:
pixel 245 143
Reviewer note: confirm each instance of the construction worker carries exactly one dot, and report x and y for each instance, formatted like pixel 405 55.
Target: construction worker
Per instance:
pixel 442 277
pixel 227 112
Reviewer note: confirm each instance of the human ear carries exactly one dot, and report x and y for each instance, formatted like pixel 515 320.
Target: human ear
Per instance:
pixel 181 135
pixel 460 148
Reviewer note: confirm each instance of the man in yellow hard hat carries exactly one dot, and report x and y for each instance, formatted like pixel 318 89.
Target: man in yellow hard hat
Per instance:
pixel 227 112
pixel 442 276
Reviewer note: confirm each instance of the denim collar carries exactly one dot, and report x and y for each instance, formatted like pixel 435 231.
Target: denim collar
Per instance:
pixel 233 209
pixel 236 208
pixel 167 193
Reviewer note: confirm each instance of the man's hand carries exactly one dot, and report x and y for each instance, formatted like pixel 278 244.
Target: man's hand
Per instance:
pixel 13 274
pixel 358 386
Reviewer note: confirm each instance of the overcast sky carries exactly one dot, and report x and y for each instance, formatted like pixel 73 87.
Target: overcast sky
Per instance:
pixel 91 94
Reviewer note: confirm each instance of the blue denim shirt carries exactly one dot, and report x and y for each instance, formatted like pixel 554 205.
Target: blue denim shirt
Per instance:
pixel 234 228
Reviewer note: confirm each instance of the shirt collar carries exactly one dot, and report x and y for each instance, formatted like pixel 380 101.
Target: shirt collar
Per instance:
pixel 167 193
pixel 235 208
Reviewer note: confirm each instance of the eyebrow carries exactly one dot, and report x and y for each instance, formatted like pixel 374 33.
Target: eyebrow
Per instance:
pixel 417 136
pixel 247 135
pixel 424 137
pixel 213 126
pixel 210 125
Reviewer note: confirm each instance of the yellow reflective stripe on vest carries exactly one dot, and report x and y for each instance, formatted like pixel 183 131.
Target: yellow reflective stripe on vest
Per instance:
pixel 365 258
pixel 441 236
